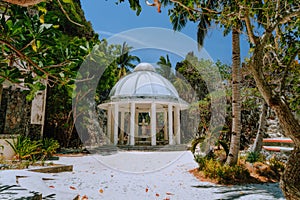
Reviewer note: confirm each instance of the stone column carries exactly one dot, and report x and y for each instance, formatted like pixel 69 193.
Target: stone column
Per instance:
pixel 165 124
pixel 177 124
pixel 122 126
pixel 170 124
pixel 153 124
pixel 136 122
pixel 132 124
pixel 109 129
pixel 116 124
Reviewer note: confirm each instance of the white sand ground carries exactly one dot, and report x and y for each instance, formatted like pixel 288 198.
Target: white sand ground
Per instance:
pixel 129 175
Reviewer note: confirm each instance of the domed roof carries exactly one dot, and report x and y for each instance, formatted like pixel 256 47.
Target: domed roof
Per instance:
pixel 144 82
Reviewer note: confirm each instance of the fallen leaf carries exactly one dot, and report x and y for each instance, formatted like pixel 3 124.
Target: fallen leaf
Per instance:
pixel 167 198
pixel 101 191
pixel 147 189
pixel 51 186
pixel 169 193
pixel 72 188
pixel 84 197
pixel 157 194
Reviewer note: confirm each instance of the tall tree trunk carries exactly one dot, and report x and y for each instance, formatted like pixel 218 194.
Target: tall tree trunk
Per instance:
pixel 1 89
pixel 236 106
pixel 290 181
pixel 257 145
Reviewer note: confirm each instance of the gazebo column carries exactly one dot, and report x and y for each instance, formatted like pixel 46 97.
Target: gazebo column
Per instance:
pixel 122 126
pixel 153 124
pixel 109 129
pixel 116 123
pixel 136 122
pixel 165 124
pixel 170 124
pixel 177 124
pixel 132 124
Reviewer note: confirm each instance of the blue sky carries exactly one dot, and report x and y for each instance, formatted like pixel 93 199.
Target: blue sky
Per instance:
pixel 109 19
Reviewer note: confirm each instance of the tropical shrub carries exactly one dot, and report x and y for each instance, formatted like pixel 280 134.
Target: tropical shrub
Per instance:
pixel 226 174
pixel 24 147
pixel 253 157
pixel 49 147
pixel 33 150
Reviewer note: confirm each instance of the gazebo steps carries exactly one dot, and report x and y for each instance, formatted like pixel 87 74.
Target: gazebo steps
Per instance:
pixel 103 150
pixel 111 149
pixel 180 147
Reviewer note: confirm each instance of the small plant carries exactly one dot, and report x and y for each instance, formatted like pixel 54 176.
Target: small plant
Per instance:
pixel 201 161
pixel 253 157
pixel 27 149
pixel 24 147
pixel 221 172
pixel 276 165
pixel 49 147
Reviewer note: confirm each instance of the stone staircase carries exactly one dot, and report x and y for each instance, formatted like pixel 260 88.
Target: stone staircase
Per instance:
pixel 273 129
pixel 111 149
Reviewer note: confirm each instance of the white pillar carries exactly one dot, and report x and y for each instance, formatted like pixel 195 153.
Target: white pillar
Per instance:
pixel 136 122
pixel 109 131
pixel 122 126
pixel 116 123
pixel 165 124
pixel 132 124
pixel 170 124
pixel 153 124
pixel 177 124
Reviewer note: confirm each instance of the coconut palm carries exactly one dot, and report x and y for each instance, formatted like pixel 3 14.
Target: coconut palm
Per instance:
pixel 165 68
pixel 125 60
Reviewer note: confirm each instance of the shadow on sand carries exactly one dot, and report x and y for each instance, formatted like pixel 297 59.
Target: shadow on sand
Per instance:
pixel 270 190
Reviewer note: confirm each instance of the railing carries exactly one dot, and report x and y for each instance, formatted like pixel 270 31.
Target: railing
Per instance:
pixel 278 144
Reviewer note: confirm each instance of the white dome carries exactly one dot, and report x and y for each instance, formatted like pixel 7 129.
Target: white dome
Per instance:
pixel 144 82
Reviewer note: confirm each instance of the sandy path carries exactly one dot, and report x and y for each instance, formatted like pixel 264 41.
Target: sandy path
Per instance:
pixel 135 176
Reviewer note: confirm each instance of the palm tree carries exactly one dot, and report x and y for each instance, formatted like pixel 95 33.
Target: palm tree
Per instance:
pixel 124 61
pixel 236 100
pixel 165 68
pixel 204 16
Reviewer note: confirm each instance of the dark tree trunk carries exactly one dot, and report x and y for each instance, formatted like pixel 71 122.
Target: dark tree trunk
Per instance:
pixel 290 182
pixel 1 89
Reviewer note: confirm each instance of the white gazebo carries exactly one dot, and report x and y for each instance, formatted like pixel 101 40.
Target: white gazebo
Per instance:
pixel 144 108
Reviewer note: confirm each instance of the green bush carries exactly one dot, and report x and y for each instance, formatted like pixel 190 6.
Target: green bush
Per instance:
pixel 201 161
pixel 33 150
pixel 49 147
pixel 222 173
pixel 24 147
pixel 253 157
pixel 276 165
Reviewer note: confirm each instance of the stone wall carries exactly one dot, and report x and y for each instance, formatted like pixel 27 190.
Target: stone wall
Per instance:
pixel 15 114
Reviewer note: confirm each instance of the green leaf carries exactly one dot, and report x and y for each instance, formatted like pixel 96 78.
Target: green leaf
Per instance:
pixel 67 1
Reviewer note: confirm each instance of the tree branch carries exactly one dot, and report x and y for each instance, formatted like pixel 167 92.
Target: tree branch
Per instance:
pixel 25 58
pixel 252 37
pixel 66 14
pixel 283 20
